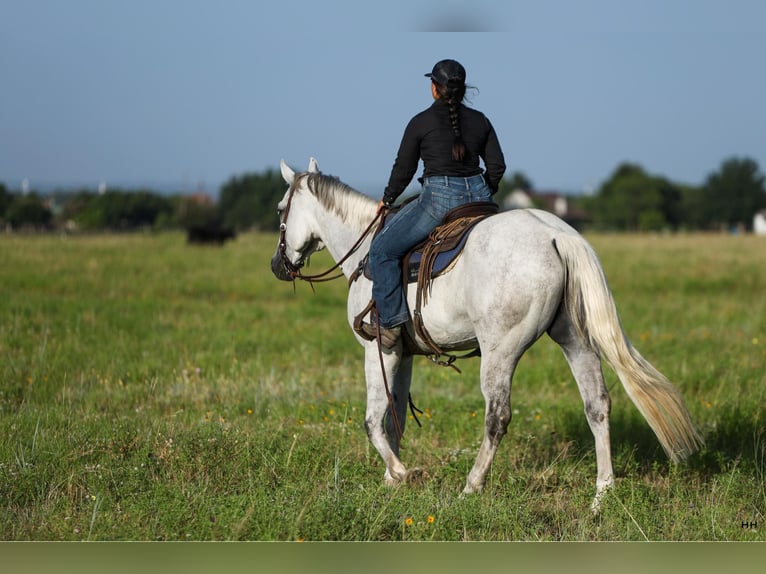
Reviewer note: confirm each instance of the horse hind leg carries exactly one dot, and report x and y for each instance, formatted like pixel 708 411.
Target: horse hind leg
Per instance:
pixel 496 373
pixel 585 365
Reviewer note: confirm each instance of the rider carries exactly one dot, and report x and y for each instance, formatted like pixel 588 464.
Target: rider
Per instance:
pixel 450 138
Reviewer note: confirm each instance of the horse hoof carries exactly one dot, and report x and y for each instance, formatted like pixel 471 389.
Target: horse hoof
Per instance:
pixel 415 476
pixel 471 489
pixel 595 506
pixel 392 481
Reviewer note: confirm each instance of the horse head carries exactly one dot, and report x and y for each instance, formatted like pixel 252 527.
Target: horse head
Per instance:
pixel 297 239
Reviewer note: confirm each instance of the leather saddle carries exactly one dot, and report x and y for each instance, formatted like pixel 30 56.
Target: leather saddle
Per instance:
pixel 443 246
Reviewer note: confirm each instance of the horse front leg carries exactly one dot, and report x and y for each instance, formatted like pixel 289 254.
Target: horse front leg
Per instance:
pixel 400 392
pixel 378 419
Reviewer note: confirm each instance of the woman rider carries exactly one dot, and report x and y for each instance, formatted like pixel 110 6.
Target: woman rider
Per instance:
pixel 450 138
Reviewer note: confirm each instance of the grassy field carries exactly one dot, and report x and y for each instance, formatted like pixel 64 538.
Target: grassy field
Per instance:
pixel 155 391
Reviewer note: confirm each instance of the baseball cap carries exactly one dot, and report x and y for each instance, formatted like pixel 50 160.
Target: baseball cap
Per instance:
pixel 447 72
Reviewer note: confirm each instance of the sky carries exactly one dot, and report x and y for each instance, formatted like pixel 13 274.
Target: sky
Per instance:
pixel 189 93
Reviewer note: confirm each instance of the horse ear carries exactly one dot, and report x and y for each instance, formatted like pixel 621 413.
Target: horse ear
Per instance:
pixel 313 165
pixel 287 173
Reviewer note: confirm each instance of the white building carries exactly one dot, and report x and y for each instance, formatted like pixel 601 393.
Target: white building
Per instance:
pixel 759 223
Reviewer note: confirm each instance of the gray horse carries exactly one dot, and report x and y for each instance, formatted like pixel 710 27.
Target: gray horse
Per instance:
pixel 522 273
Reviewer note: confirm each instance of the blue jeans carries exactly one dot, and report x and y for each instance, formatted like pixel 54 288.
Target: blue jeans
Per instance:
pixel 411 225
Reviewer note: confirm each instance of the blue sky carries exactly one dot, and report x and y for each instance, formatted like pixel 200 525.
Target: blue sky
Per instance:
pixel 192 92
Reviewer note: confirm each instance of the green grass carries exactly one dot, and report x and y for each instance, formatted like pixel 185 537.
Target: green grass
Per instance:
pixel 154 391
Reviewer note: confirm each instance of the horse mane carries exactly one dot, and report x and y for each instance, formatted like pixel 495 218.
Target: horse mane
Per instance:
pixel 351 206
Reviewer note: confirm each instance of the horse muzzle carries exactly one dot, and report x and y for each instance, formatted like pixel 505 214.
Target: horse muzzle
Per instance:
pixel 282 268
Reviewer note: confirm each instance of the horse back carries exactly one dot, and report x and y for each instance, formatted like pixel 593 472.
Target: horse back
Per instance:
pixel 509 270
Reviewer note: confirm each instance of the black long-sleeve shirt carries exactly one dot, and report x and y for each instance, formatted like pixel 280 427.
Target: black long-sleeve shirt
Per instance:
pixel 428 136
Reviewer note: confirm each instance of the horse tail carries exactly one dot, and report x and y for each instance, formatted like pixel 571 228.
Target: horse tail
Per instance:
pixel 592 310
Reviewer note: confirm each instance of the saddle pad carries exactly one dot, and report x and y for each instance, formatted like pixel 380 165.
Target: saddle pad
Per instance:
pixel 443 260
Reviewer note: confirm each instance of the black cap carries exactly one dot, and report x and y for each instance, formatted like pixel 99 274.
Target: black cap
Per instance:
pixel 447 72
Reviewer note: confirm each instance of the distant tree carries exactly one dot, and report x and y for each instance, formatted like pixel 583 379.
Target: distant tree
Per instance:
pixel 692 207
pixel 733 194
pixel 622 197
pixel 250 200
pixel 119 210
pixel 519 180
pixel 671 202
pixel 633 200
pixel 28 210
pixel 5 200
pixel 145 208
pixel 193 213
pixel 75 204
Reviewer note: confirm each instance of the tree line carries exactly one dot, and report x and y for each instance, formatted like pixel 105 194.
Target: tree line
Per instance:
pixel 631 199
pixel 634 200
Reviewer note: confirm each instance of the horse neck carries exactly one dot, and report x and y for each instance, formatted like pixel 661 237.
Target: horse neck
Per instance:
pixel 340 236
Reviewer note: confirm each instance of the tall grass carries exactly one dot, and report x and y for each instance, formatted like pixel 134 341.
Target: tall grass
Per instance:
pixel 154 391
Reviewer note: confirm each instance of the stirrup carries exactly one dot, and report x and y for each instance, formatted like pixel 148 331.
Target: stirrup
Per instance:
pixel 359 322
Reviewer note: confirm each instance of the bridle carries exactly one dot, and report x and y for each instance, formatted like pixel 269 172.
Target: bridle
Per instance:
pixel 294 270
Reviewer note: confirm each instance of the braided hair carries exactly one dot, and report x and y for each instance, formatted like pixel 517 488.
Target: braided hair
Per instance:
pixel 453 94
